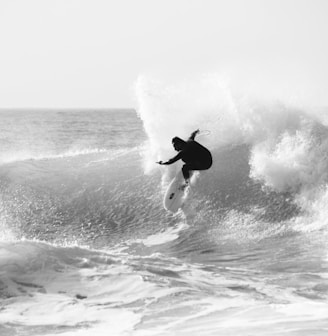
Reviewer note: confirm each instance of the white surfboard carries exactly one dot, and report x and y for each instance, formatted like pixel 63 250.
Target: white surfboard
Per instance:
pixel 176 193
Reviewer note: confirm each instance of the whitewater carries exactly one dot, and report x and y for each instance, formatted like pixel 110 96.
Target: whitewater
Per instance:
pixel 86 247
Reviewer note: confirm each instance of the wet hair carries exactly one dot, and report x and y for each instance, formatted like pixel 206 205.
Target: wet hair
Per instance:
pixel 177 140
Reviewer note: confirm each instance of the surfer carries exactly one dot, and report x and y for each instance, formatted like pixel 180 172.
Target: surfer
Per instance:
pixel 193 154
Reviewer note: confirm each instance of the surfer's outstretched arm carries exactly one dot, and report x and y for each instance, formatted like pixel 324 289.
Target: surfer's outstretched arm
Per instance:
pixel 174 159
pixel 193 135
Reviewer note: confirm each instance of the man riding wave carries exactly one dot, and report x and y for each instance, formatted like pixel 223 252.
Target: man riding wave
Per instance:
pixel 195 156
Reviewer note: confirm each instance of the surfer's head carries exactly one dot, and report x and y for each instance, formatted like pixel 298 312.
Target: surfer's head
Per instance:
pixel 178 143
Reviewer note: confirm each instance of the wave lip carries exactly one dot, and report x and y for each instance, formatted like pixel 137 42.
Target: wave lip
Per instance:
pixel 19 157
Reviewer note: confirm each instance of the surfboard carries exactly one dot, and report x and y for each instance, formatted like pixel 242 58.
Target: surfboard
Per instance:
pixel 176 193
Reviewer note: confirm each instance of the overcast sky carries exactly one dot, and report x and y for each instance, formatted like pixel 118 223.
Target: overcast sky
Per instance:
pixel 89 53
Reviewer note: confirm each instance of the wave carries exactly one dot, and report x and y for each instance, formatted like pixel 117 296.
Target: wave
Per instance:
pixel 45 288
pixel 86 245
pixel 287 145
pixel 88 198
pixel 25 156
pixel 74 290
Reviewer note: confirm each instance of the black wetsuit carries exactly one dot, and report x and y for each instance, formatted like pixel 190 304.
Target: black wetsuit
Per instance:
pixel 195 156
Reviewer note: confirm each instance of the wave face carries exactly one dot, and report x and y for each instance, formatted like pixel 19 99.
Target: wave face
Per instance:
pixel 86 246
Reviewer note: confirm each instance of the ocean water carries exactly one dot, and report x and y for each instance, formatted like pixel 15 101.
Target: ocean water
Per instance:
pixel 86 247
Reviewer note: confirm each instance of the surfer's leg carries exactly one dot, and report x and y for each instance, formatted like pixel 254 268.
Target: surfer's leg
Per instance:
pixel 190 166
pixel 186 171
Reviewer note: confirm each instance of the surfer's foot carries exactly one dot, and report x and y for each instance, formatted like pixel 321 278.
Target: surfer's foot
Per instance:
pixel 185 185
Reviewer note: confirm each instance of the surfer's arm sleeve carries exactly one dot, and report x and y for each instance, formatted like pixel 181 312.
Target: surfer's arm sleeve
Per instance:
pixel 193 135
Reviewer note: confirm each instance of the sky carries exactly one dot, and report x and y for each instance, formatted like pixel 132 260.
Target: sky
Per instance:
pixel 90 53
